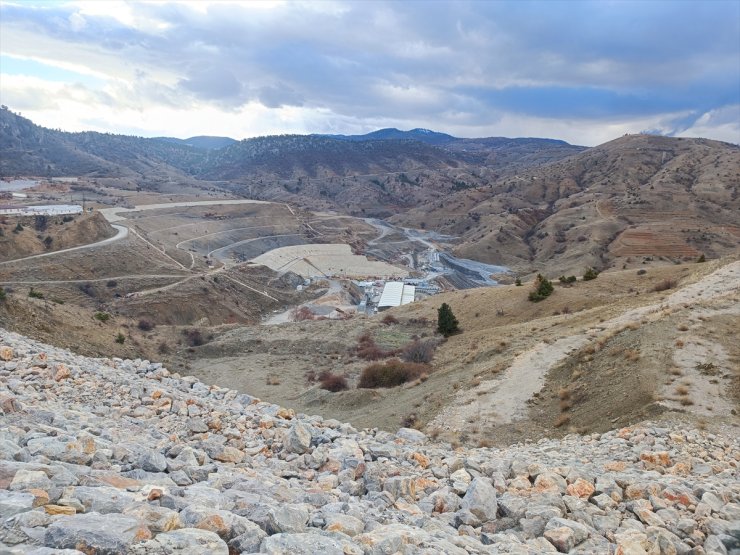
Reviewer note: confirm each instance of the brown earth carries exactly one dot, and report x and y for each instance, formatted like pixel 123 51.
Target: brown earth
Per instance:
pixel 80 230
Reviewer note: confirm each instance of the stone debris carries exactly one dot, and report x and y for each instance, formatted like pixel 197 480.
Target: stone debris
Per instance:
pixel 117 456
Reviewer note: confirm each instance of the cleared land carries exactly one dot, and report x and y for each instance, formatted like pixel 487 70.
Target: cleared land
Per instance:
pixel 326 260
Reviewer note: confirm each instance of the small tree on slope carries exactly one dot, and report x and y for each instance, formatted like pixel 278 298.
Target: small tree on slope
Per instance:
pixel 447 324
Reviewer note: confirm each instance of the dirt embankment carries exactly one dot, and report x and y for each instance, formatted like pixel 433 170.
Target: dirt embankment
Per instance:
pixel 27 236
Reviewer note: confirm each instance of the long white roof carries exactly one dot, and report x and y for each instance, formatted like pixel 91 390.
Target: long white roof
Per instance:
pixel 395 293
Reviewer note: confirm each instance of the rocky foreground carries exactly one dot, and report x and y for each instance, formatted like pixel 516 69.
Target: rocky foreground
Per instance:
pixel 122 456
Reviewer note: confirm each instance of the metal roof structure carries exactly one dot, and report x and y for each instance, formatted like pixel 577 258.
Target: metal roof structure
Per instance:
pixel 396 293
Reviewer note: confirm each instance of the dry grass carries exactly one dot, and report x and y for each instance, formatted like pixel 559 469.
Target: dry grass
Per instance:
pixel 679 343
pixel 683 327
pixel 561 420
pixel 682 389
pixel 686 401
pixel 632 355
pixel 664 285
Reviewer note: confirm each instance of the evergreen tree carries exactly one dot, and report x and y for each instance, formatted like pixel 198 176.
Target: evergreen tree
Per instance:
pixel 542 289
pixel 447 324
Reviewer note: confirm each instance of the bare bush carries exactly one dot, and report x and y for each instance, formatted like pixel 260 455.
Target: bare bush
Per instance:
pixel 333 382
pixel 667 283
pixel 145 325
pixel 419 351
pixel 302 313
pixel 193 337
pixel 389 319
pixel 367 349
pixel 391 373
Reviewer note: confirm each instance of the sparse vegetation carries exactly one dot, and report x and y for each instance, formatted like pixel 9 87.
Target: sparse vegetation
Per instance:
pixel 333 382
pixel 102 316
pixel 145 325
pixel 419 351
pixel 701 259
pixel 193 337
pixel 392 373
pixel 518 282
pixel 120 338
pixel 367 349
pixel 567 280
pixel 542 289
pixel 590 274
pixel 389 319
pixel 3 295
pixel 447 324
pixel 664 285
pixel 35 294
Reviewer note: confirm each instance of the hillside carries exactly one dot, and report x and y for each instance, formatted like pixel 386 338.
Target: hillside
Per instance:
pixel 127 457
pixel 49 234
pixel 638 196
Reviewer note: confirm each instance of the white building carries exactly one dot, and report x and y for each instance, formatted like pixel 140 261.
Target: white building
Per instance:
pixel 396 293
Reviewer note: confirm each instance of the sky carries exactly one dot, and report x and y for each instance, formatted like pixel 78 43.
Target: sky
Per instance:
pixel 585 72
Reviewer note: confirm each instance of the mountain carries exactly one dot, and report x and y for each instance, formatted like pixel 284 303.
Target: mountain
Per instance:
pixel 202 141
pixel 28 149
pixel 288 156
pixel 391 133
pixel 612 205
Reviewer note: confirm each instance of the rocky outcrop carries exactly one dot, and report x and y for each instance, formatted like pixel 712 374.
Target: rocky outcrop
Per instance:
pixel 123 456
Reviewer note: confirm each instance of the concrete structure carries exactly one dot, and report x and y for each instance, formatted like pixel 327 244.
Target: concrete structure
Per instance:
pixel 46 210
pixel 396 293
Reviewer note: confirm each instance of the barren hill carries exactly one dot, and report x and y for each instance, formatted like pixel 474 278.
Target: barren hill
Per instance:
pixel 638 196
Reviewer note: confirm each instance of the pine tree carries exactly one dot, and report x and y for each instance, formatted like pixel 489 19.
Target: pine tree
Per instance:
pixel 542 289
pixel 447 324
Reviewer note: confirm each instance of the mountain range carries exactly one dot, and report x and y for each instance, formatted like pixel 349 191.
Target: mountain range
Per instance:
pixel 526 203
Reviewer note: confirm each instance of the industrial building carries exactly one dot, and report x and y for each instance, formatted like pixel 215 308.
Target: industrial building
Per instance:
pixel 396 293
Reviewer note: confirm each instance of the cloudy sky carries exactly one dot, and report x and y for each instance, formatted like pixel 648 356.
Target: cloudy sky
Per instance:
pixel 586 72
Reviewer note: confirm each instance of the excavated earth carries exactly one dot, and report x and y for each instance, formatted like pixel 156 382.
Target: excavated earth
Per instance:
pixel 104 456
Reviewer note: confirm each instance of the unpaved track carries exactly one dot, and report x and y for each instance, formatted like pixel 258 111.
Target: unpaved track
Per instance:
pixel 122 233
pixel 112 214
pixel 508 394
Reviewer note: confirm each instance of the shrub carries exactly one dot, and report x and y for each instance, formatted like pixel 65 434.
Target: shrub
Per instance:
pixel 447 324
pixel 391 373
pixel 667 283
pixel 389 319
pixel 590 274
pixel 518 282
pixel 102 316
pixel 40 223
pixel 419 351
pixel 48 241
pixel 3 296
pixel 567 280
pixel 701 259
pixel 120 338
pixel 163 348
pixel 87 289
pixel 111 283
pixel 145 325
pixel 367 349
pixel 333 382
pixel 193 337
pixel 35 294
pixel 302 313
pixel 18 228
pixel 67 219
pixel 542 289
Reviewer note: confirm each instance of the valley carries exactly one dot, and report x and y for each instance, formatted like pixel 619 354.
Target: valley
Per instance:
pixel 269 281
